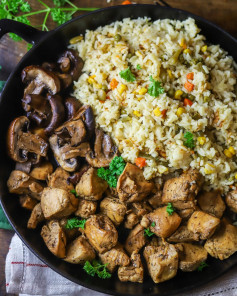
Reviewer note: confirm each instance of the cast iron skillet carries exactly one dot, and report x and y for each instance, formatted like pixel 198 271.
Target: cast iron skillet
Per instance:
pixel 47 47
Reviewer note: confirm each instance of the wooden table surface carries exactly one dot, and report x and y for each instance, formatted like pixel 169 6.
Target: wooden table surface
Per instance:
pixel 221 12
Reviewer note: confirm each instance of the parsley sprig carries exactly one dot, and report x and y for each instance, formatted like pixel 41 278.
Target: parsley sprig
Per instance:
pixel 97 268
pixel 75 223
pixel 73 191
pixel 127 75
pixel 147 232
pixel 155 89
pixel 189 141
pixel 202 265
pixel 170 209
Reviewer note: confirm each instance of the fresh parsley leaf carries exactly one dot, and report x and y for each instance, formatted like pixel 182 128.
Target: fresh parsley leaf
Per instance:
pixel 29 46
pixel 2 83
pixel 97 268
pixel 15 37
pixel 74 192
pixel 138 67
pixel 170 209
pixel 155 88
pixel 25 7
pixel 127 75
pixel 153 224
pixel 75 223
pixel 147 232
pixel 189 141
pixel 59 3
pixel 117 165
pixel 60 16
pixel 202 265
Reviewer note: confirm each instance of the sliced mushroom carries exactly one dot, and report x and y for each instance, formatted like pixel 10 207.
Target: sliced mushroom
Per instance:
pixel 85 113
pixel 21 142
pixel 104 150
pixel 23 166
pixel 41 76
pixel 72 106
pixel 66 80
pixel 33 88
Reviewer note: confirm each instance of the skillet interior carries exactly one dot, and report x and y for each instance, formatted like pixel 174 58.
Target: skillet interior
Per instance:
pixel 48 49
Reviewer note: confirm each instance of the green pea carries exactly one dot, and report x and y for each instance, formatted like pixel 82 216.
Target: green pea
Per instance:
pixel 117 37
pixel 170 93
pixel 206 99
pixel 104 87
pixel 191 97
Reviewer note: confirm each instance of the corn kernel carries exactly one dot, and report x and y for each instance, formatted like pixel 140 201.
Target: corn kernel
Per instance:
pixel 182 43
pixel 157 112
pixel 122 88
pixel 138 53
pixel 187 50
pixel 142 91
pixel 232 150
pixel 180 111
pixel 228 153
pixel 170 74
pixel 204 48
pixel 201 140
pixel 208 172
pixel 236 176
pixel 137 113
pixel 97 85
pixel 91 79
pixel 178 94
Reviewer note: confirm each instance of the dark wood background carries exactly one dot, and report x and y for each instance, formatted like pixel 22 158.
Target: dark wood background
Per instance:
pixel 221 12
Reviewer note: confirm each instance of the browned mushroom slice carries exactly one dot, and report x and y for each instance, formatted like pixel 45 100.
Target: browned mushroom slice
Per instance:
pixel 28 202
pixel 66 80
pixel 72 106
pixel 162 262
pixel 135 240
pixel 101 233
pixel 231 200
pixel 86 208
pixel 134 272
pixel 54 238
pixel 223 243
pixel 41 76
pixel 42 171
pixel 79 251
pixel 211 203
pixel 90 186
pixel 203 224
pixel 21 183
pixel 104 150
pixel 20 142
pixel 132 185
pixel 59 179
pixel 85 113
pixel 58 203
pixel 114 209
pixel 182 234
pixel 161 223
pixel 23 166
pixel 36 217
pixel 34 87
pixel 190 256
pixel 115 257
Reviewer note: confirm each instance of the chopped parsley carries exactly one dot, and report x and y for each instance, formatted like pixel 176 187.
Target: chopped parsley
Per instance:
pixel 75 223
pixel 115 169
pixel 74 192
pixel 153 224
pixel 147 232
pixel 170 209
pixel 97 268
pixel 189 141
pixel 127 75
pixel 155 88
pixel 202 265
pixel 138 67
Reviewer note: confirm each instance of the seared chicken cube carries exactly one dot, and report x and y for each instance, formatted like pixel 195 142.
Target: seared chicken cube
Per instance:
pixel 70 233
pixel 161 223
pixel 231 200
pixel 223 243
pixel 131 220
pixel 36 217
pixel 79 251
pixel 185 214
pixel 211 203
pixel 58 179
pixel 203 224
pixel 114 209
pixel 190 256
pixel 162 262
pixel 54 238
pixel 135 213
pixel 156 200
pixel 28 202
pixel 101 233
pixel 132 185
pixel 135 240
pixel 183 235
pixel 42 171
pixel 115 257
pixel 58 203
pixel 86 208
pixel 134 272
pixel 90 186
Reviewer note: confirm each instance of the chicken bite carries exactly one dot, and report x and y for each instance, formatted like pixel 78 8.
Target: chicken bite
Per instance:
pixel 86 208
pixel 231 200
pixel 135 240
pixel 58 179
pixel 114 209
pixel 135 213
pixel 203 224
pixel 134 272
pixel 161 223
pixel 101 233
pixel 36 217
pixel 28 202
pixel 79 251
pixel 54 238
pixel 183 235
pixel 132 186
pixel 162 261
pixel 211 203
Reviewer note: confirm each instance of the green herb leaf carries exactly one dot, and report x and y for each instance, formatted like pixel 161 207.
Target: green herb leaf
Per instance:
pixel 74 192
pixel 117 165
pixel 97 268
pixel 60 16
pixel 29 46
pixel 189 142
pixel 59 3
pixel 155 88
pixel 75 223
pixel 138 67
pixel 25 7
pixel 147 232
pixel 202 265
pixel 153 224
pixel 170 209
pixel 127 75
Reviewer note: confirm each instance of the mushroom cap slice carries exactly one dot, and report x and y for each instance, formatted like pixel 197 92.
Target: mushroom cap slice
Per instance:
pixel 72 106
pixel 42 77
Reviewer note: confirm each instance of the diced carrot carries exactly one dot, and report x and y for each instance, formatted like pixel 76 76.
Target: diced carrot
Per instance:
pixel 163 113
pixel 113 83
pixel 189 86
pixel 126 2
pixel 190 76
pixel 140 162
pixel 188 102
pixel 107 98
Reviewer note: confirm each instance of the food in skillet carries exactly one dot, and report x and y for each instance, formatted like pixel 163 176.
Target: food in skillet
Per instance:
pixel 131 170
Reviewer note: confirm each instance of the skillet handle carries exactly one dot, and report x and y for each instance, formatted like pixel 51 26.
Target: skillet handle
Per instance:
pixel 28 33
